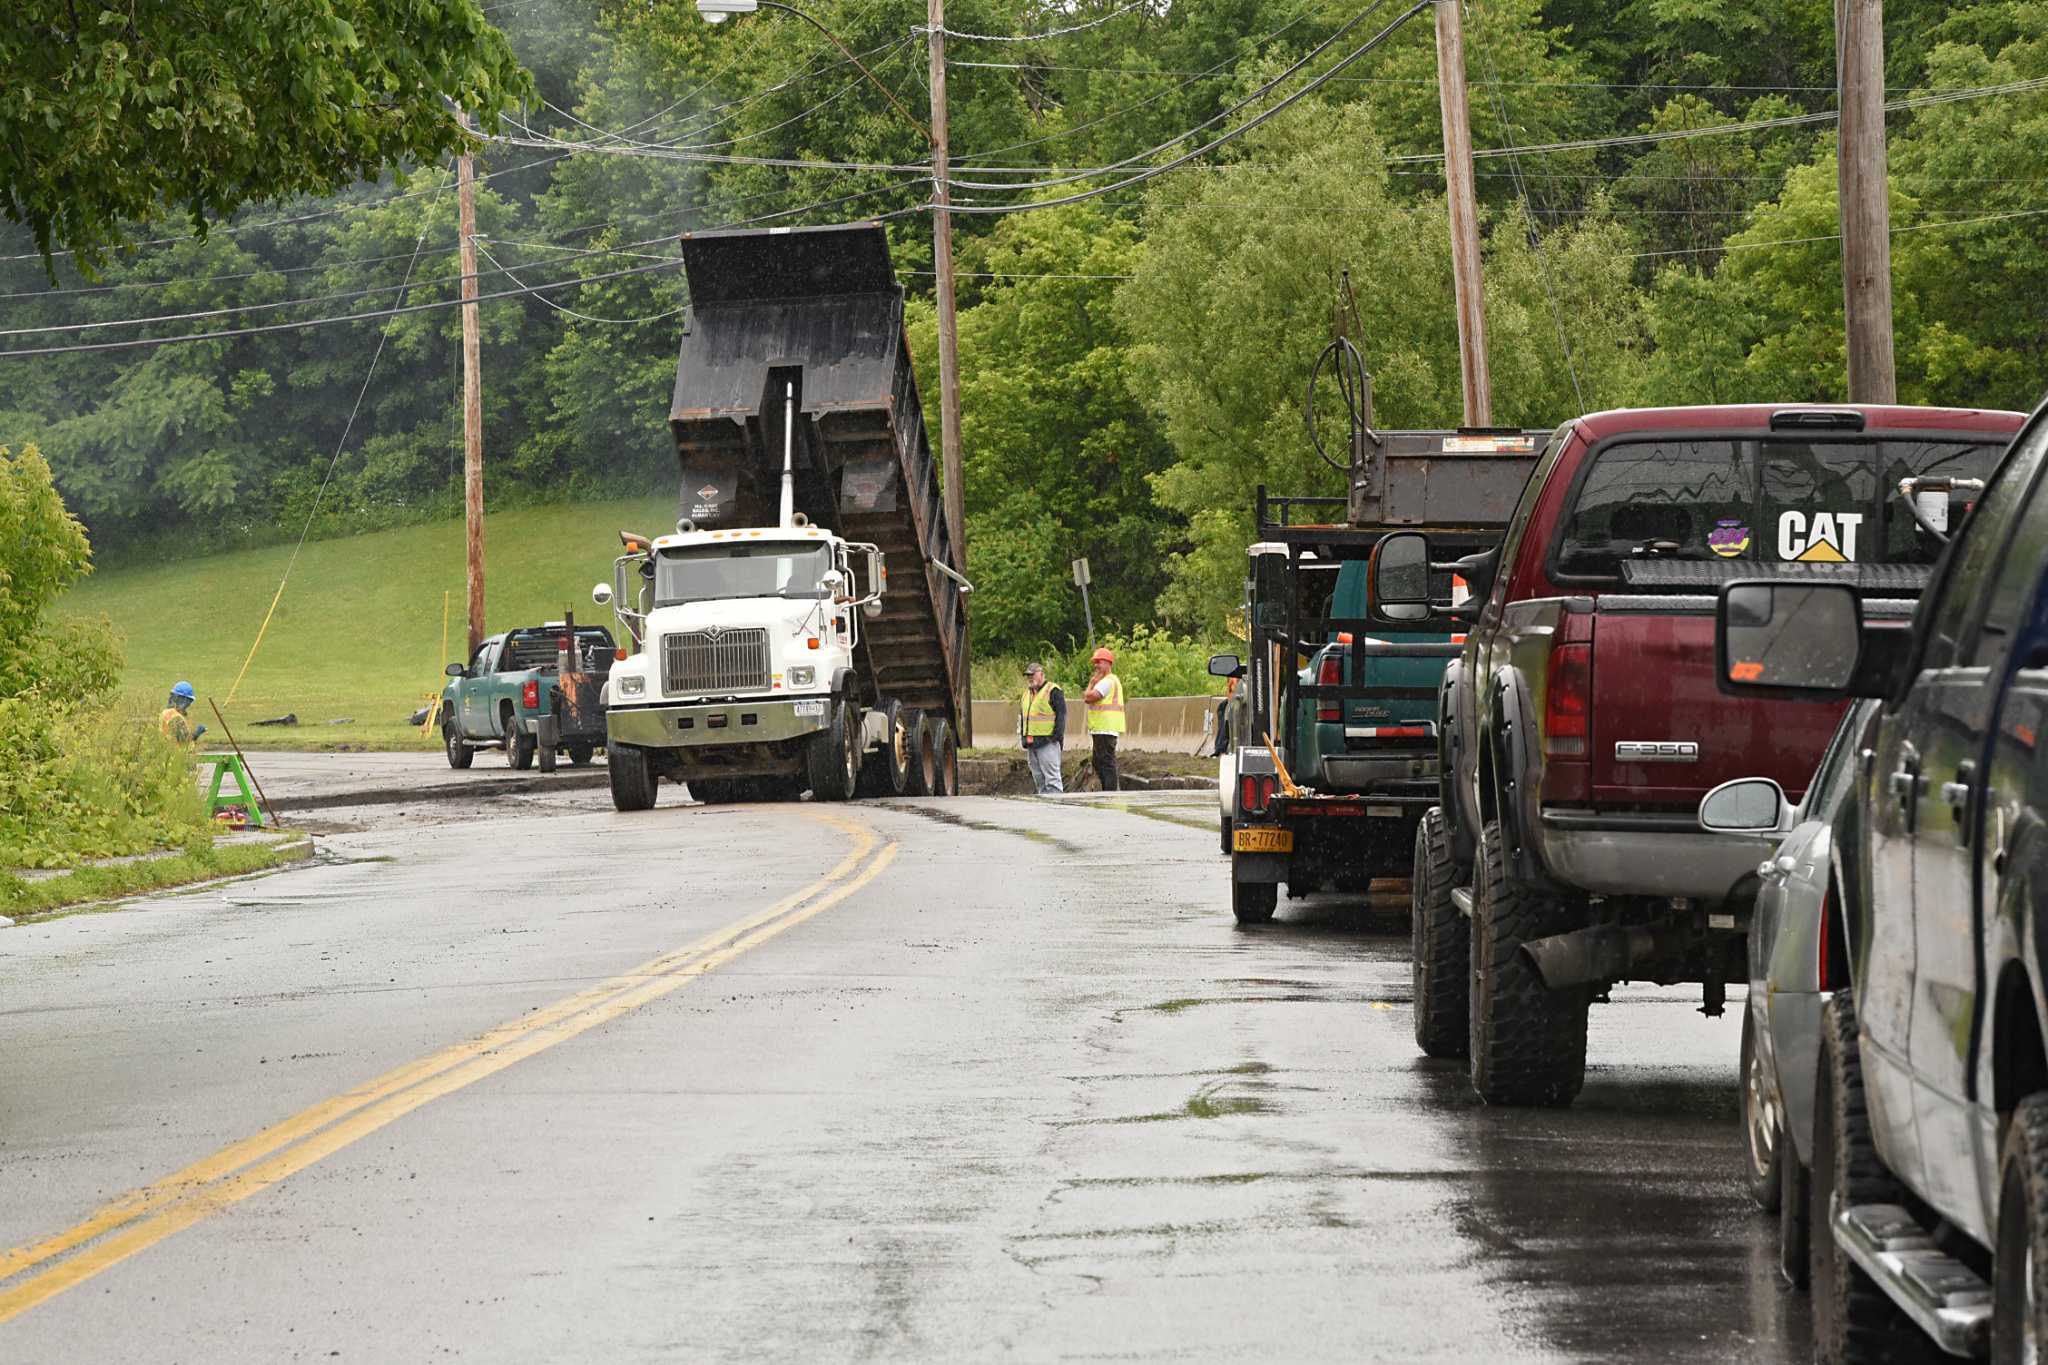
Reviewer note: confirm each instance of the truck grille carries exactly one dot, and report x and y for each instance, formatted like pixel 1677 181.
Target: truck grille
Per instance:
pixel 700 661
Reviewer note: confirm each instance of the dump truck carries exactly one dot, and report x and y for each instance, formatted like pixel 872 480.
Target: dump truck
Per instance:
pixel 805 625
pixel 1332 755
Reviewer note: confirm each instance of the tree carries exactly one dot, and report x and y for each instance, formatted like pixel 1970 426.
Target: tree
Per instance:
pixel 117 116
pixel 43 550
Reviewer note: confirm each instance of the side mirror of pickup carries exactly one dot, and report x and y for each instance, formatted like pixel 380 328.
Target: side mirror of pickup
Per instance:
pixel 1748 805
pixel 601 594
pixel 1397 578
pixel 1804 641
pixel 1225 666
pixel 456 671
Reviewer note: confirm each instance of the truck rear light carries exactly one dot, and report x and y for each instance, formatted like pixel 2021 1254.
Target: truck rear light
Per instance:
pixel 1255 791
pixel 1331 674
pixel 529 694
pixel 1565 698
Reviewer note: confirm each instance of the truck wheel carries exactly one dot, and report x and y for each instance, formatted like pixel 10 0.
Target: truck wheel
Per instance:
pixel 1442 955
pixel 832 757
pixel 1224 821
pixel 581 754
pixel 1853 1320
pixel 710 791
pixel 1763 1132
pixel 459 754
pixel 1528 1042
pixel 634 780
pixel 2018 1323
pixel 520 750
pixel 916 773
pixel 1252 902
pixel 548 755
pixel 886 771
pixel 945 759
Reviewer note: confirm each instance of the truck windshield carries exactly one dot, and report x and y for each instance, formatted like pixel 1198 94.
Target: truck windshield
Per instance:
pixel 709 573
pixel 1775 501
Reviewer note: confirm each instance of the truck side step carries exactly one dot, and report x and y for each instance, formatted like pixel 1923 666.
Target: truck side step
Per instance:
pixel 1949 1300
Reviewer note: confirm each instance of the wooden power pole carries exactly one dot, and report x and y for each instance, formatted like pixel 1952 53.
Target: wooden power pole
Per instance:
pixel 472 398
pixel 1464 213
pixel 949 338
pixel 1865 187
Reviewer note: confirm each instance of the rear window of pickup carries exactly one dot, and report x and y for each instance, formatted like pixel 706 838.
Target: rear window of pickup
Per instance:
pixel 1758 499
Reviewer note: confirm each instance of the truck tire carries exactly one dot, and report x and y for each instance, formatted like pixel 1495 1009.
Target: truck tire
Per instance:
pixel 1252 902
pixel 917 773
pixel 1528 1042
pixel 460 755
pixel 1224 821
pixel 712 791
pixel 945 758
pixel 2017 1297
pixel 1763 1145
pixel 886 771
pixel 581 754
pixel 520 748
pixel 1442 955
pixel 634 781
pixel 547 754
pixel 1854 1321
pixel 832 756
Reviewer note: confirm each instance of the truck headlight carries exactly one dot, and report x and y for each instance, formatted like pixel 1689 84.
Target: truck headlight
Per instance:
pixel 632 685
pixel 803 676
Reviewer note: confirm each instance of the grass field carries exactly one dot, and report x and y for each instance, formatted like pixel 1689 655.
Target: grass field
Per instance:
pixel 357 635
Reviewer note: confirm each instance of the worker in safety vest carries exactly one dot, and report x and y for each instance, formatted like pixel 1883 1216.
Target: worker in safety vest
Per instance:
pixel 1042 721
pixel 175 724
pixel 1105 698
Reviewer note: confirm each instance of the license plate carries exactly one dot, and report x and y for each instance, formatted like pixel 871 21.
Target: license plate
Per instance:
pixel 1262 840
pixel 1384 812
pixel 810 708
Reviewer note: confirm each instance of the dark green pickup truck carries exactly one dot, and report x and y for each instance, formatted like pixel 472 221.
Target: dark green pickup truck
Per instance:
pixel 508 693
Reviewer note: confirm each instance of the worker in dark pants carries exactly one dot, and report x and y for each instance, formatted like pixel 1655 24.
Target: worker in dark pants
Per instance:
pixel 1105 699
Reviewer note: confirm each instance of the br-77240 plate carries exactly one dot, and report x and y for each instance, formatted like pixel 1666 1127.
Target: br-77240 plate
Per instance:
pixel 1262 840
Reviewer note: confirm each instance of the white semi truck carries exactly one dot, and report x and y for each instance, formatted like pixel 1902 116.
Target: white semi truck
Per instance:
pixel 772 653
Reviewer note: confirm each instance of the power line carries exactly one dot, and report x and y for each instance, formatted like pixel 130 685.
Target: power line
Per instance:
pixel 1036 37
pixel 1836 236
pixel 1418 80
pixel 570 312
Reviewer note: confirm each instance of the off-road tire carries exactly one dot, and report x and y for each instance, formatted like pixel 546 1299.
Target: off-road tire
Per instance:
pixel 832 756
pixel 460 755
pixel 1252 902
pixel 2022 1236
pixel 633 778
pixel 581 754
pixel 520 748
pixel 945 758
pixel 1442 946
pixel 1854 1321
pixel 1763 1131
pixel 1528 1042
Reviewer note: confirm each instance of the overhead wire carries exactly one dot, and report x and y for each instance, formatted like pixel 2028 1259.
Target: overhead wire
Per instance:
pixel 1036 37
pixel 571 312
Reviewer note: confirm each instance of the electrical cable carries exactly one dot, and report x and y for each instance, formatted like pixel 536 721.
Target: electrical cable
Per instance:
pixel 1035 37
pixel 570 312
pixel 1347 366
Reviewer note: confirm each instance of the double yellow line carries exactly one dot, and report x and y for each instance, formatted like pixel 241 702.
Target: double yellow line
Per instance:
pixel 142 1218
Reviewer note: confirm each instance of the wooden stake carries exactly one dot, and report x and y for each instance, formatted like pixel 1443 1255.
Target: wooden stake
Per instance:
pixel 1865 186
pixel 1464 214
pixel 472 398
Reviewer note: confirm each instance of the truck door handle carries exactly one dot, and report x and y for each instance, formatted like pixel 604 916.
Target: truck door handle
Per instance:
pixel 1905 784
pixel 1957 795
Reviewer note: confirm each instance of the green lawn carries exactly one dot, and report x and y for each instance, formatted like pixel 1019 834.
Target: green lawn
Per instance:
pixel 358 632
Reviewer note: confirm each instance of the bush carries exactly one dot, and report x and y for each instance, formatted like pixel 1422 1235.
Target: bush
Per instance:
pixel 79 782
pixel 1151 662
pixel 43 551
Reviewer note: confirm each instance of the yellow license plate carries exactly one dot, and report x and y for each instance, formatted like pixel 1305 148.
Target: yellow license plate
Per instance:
pixel 1262 840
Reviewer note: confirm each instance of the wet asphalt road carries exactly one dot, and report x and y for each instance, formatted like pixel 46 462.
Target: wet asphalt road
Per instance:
pixel 979 1077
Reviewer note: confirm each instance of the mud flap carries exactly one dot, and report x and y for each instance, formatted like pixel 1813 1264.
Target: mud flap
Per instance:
pixel 1259 867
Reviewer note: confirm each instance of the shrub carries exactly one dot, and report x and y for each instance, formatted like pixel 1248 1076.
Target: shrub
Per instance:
pixel 80 782
pixel 1150 661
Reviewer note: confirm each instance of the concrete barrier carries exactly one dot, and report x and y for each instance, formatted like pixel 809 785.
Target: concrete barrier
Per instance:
pixel 1151 722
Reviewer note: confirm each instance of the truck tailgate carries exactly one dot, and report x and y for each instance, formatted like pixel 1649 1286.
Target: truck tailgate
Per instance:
pixel 1663 734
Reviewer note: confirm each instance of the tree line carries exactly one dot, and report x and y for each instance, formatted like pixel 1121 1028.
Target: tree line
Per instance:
pixel 1132 365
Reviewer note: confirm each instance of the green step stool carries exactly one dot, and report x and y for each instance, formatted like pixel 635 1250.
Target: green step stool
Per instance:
pixel 225 766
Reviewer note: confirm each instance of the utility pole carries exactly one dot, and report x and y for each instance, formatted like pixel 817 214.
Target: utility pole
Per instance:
pixel 472 397
pixel 949 344
pixel 1464 213
pixel 1865 191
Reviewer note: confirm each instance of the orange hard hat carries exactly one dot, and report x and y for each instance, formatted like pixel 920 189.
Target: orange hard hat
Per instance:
pixel 1102 656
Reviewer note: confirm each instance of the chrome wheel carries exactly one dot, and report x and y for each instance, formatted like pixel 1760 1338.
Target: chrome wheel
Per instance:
pixel 1760 1110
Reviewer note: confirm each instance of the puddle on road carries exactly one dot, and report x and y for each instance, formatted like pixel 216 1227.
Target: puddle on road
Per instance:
pixel 1208 1102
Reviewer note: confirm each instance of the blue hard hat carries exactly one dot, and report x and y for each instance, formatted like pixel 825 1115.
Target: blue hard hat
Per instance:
pixel 183 689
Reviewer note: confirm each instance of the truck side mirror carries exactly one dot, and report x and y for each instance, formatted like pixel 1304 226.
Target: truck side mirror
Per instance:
pixel 1796 640
pixel 601 594
pixel 1748 805
pixel 1225 666
pixel 456 671
pixel 1397 577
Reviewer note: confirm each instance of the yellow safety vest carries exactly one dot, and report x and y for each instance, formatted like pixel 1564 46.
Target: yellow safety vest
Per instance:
pixel 174 725
pixel 1106 717
pixel 1037 709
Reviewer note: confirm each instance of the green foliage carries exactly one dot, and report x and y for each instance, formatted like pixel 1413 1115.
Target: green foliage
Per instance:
pixel 43 551
pixel 79 782
pixel 1151 662
pixel 119 116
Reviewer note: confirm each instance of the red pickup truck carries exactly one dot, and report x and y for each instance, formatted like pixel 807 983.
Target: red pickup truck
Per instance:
pixel 1583 722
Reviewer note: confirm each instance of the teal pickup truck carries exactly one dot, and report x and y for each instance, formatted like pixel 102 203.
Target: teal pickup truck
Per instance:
pixel 507 696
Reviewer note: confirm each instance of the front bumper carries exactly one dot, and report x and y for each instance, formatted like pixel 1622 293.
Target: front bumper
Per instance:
pixel 761 721
pixel 1647 855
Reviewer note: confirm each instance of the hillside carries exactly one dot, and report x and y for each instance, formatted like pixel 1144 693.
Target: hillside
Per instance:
pixel 357 634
